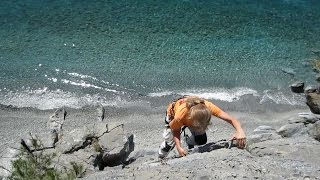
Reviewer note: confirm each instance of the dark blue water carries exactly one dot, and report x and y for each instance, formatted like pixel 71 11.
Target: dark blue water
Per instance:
pixel 78 53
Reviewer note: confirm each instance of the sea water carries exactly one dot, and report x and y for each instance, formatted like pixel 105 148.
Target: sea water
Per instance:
pixel 123 53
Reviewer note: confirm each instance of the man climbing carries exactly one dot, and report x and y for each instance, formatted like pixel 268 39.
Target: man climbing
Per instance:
pixel 194 113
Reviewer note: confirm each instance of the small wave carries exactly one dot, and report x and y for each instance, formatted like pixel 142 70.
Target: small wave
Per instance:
pixel 281 98
pixel 81 83
pixel 235 94
pixel 228 95
pixel 46 99
pixel 86 85
pixel 82 76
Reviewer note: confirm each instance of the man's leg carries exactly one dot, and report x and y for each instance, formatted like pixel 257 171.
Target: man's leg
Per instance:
pixel 196 138
pixel 168 143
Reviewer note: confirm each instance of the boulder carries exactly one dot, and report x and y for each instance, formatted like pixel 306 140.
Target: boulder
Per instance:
pixel 74 140
pixel 314 131
pixel 297 87
pixel 43 140
pixel 118 156
pixel 56 121
pixel 290 130
pixel 100 113
pixel 256 138
pixel 305 118
pixel 313 100
pixel 113 138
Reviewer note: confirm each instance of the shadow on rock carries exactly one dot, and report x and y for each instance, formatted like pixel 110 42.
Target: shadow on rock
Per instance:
pixel 214 146
pixel 110 159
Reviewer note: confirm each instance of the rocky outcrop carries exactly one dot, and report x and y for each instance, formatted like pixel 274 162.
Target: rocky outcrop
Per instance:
pixel 93 146
pixel 266 140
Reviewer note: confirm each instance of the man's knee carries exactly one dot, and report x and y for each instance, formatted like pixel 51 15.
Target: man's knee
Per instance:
pixel 201 139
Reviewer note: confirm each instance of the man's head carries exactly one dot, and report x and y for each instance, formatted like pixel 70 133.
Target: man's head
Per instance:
pixel 199 114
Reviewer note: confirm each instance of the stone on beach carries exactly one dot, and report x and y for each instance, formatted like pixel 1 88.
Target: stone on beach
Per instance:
pixel 297 87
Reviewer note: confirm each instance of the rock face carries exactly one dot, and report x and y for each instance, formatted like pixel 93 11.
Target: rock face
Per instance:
pixel 104 150
pixel 267 141
pixel 92 146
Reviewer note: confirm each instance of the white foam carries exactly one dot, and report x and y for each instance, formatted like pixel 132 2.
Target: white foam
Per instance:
pixel 82 76
pixel 81 83
pixel 45 99
pixel 234 94
pixel 222 94
pixel 160 94
pixel 52 79
pixel 86 85
pixel 279 97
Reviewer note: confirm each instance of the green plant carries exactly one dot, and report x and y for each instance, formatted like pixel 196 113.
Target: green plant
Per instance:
pixel 37 165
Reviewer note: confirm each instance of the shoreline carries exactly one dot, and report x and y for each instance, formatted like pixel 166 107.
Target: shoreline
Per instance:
pixel 16 122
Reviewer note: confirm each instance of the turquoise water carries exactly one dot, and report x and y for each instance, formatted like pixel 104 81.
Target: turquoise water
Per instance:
pixel 73 53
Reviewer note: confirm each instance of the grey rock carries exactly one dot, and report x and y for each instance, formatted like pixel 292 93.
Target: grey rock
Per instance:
pixel 63 161
pixel 314 131
pixel 309 117
pixel 44 140
pixel 296 119
pixel 100 113
pixel 101 128
pixel 263 129
pixel 56 121
pixel 297 87
pixel 73 140
pixel 290 130
pixel 117 156
pixel 114 138
pixel 256 138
